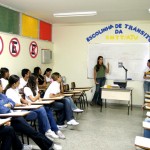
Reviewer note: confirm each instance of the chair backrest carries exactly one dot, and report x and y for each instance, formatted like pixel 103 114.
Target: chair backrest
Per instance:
pixel 73 85
pixel 66 87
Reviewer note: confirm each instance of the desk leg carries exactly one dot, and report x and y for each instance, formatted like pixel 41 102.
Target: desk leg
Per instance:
pixel 128 106
pixel 101 106
pixel 131 100
pixel 105 103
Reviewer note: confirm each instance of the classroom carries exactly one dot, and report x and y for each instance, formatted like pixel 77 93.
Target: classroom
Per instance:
pixel 61 35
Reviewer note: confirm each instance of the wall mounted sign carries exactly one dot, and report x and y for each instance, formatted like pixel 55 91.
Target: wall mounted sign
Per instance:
pixel 119 34
pixel 14 47
pixel 1 45
pixel 33 49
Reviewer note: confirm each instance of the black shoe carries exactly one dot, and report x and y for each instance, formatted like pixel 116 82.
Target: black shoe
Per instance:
pixel 92 103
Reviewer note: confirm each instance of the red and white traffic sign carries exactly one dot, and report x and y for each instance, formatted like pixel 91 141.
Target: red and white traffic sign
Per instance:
pixel 1 45
pixel 14 47
pixel 33 49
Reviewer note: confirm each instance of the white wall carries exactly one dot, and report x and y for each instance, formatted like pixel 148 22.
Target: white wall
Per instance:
pixel 23 60
pixel 70 52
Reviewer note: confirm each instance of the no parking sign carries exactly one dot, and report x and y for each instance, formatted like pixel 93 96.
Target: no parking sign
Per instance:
pixel 1 45
pixel 33 49
pixel 14 47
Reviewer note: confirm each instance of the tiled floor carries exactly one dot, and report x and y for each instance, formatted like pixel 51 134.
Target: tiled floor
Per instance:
pixel 111 129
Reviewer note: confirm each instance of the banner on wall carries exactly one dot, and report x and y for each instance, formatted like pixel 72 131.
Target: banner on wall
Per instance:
pixel 14 47
pixel 33 49
pixel 1 45
pixel 119 34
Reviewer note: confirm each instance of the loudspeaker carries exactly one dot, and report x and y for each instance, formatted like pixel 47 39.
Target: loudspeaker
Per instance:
pixel 46 56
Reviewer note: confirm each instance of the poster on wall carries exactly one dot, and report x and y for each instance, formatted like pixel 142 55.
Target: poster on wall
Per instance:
pixel 33 49
pixel 14 47
pixel 1 45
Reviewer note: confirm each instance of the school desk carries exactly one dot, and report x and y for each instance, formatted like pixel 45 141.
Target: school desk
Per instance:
pixel 120 94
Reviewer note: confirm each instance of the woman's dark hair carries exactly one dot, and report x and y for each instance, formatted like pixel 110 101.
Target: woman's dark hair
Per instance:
pixel 32 83
pixel 47 70
pixel 98 65
pixel 149 60
pixel 36 71
pixel 3 71
pixel 12 79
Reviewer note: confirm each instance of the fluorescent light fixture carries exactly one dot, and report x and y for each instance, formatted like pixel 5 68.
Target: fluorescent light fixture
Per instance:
pixel 149 10
pixel 75 14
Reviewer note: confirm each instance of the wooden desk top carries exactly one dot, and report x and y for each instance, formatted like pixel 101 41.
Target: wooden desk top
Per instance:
pixel 15 114
pixel 27 107
pixel 42 102
pixel 142 142
pixel 67 94
pixel 54 98
pixel 83 88
pixel 72 92
pixel 146 125
pixel 117 89
pixel 3 121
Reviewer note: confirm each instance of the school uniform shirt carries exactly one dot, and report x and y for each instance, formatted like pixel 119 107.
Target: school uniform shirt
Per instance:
pixel 23 83
pixel 5 100
pixel 14 95
pixel 48 79
pixel 28 92
pixel 4 83
pixel 54 88
pixel 147 70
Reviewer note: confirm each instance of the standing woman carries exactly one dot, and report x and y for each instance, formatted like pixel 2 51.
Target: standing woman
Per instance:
pixel 99 78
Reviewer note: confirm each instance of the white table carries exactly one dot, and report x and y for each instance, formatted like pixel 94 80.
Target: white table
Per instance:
pixel 121 94
pixel 3 121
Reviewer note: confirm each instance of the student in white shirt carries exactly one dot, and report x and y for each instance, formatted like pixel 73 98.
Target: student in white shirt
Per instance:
pixel 4 75
pixel 12 92
pixel 147 77
pixel 54 91
pixel 47 75
pixel 31 95
pixel 24 79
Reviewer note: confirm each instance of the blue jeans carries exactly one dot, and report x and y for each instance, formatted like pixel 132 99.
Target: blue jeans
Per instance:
pixel 43 121
pixel 20 125
pixel 58 107
pixel 67 109
pixel 9 139
pixel 51 119
pixel 97 95
pixel 31 116
pixel 146 86
pixel 72 104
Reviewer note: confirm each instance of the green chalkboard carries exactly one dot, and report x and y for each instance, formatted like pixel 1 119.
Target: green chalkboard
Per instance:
pixel 9 20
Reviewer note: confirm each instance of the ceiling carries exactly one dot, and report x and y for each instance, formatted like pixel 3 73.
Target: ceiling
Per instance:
pixel 108 10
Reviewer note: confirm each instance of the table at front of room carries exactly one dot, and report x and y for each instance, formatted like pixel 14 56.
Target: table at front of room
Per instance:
pixel 120 94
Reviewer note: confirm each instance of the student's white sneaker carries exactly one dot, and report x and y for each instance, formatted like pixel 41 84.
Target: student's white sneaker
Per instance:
pixel 51 134
pixel 72 122
pixel 27 147
pixel 78 110
pixel 60 134
pixel 62 126
pixel 57 147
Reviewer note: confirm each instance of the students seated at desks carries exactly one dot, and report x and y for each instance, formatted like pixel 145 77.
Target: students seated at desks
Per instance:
pixel 54 91
pixel 20 125
pixel 47 75
pixel 4 75
pixel 32 95
pixel 24 79
pixel 70 100
pixel 10 141
pixel 12 92
pixel 41 79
